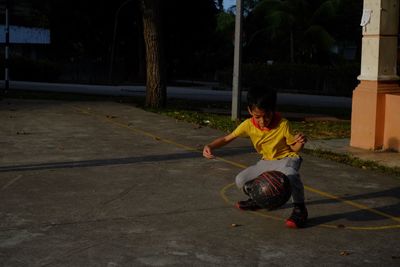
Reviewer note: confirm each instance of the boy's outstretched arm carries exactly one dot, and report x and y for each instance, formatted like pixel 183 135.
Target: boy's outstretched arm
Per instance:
pixel 299 141
pixel 219 142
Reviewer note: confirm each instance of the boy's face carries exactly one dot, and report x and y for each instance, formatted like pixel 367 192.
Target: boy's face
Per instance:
pixel 262 117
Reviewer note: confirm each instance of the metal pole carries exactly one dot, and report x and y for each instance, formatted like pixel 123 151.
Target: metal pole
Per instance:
pixel 236 83
pixel 7 43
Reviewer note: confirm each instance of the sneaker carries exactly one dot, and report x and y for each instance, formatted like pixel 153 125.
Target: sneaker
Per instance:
pixel 249 204
pixel 298 219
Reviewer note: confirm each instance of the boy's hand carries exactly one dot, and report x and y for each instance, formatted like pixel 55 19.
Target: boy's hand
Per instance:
pixel 219 142
pixel 207 153
pixel 298 142
pixel 300 138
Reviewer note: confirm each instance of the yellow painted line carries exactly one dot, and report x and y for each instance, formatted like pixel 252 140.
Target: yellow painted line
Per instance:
pixel 236 164
pixel 331 226
pixel 352 203
pixel 124 125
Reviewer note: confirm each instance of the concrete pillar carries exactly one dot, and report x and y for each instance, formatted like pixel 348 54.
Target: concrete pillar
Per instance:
pixel 378 78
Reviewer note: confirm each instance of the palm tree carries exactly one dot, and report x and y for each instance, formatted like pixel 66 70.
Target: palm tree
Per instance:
pixel 220 5
pixel 300 23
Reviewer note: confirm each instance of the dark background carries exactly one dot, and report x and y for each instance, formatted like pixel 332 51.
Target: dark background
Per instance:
pixel 308 46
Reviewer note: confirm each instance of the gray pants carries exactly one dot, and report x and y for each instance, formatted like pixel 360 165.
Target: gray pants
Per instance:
pixel 289 166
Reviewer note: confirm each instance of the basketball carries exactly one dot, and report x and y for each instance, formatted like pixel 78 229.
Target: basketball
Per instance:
pixel 269 190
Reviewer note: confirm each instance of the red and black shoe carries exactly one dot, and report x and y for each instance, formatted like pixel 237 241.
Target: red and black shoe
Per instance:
pixel 298 218
pixel 249 204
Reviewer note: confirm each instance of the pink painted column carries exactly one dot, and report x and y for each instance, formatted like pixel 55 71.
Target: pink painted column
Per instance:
pixel 371 124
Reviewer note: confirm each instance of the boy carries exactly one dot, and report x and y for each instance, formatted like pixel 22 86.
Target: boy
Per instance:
pixel 272 138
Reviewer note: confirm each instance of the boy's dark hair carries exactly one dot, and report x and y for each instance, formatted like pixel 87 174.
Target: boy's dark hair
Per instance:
pixel 261 97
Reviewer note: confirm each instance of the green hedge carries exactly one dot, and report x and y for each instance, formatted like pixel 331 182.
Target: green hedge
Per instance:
pixel 301 78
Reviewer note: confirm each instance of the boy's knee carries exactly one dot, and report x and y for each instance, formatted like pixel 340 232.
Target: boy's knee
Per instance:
pixel 239 180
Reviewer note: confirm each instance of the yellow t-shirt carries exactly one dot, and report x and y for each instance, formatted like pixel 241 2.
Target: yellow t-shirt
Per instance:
pixel 273 143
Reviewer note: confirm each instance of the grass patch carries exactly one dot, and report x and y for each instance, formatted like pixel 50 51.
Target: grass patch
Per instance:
pixel 314 129
pixel 323 129
pixel 193 112
pixel 352 161
pixel 220 122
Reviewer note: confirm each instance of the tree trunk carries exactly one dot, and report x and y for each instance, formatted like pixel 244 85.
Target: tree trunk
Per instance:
pixel 155 70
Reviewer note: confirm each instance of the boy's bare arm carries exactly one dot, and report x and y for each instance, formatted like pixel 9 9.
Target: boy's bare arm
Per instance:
pixel 217 143
pixel 298 143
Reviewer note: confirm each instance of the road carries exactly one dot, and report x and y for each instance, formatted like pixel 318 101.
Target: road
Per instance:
pixel 194 93
pixel 102 183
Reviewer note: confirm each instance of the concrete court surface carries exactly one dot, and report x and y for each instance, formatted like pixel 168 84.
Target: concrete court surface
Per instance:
pixel 107 184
